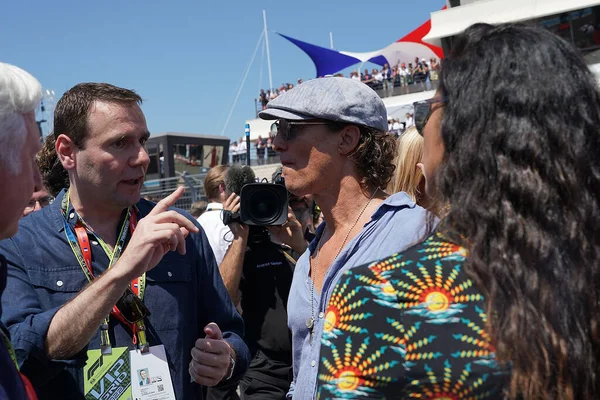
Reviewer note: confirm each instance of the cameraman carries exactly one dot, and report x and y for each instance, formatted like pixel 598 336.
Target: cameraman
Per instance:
pixel 258 273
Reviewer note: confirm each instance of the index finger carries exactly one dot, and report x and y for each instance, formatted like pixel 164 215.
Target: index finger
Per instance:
pixel 168 201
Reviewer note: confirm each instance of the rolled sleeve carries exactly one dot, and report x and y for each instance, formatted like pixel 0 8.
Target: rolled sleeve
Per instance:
pixel 27 321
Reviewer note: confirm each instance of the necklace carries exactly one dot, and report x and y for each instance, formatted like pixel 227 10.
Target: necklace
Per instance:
pixel 310 323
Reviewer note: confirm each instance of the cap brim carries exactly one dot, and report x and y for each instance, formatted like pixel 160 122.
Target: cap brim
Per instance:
pixel 277 113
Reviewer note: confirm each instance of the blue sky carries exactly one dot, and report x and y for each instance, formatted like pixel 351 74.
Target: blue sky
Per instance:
pixel 186 58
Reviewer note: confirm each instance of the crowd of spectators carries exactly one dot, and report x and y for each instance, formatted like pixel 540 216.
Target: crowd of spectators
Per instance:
pixel 265 151
pixel 397 128
pixel 419 72
pixel 267 95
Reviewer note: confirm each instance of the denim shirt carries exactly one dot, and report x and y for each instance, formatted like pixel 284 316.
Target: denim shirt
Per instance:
pixel 11 386
pixel 396 224
pixel 183 294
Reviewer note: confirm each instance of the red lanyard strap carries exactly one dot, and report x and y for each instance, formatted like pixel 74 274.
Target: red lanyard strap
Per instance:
pixel 80 245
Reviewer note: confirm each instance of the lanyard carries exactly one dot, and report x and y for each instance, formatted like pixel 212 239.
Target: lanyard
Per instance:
pixel 80 246
pixel 11 352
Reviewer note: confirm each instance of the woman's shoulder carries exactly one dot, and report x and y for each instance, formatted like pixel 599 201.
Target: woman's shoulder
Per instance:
pixel 433 251
pixel 432 266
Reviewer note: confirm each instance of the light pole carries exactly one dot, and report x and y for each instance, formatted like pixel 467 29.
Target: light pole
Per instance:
pixel 48 101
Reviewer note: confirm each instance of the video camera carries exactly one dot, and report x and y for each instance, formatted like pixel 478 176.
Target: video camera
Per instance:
pixel 261 204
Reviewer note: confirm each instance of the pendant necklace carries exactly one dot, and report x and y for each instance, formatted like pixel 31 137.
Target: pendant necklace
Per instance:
pixel 310 322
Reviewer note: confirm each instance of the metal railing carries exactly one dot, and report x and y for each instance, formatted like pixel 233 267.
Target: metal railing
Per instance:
pixel 157 189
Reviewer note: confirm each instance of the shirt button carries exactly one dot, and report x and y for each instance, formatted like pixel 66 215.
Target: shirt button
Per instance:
pixel 94 242
pixel 321 315
pixel 59 283
pixel 72 215
pixel 313 363
pixel 170 274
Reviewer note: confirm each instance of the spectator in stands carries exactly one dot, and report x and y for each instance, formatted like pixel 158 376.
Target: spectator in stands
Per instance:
pixel 377 79
pixel 241 150
pixel 395 76
pixel 262 98
pixel 218 234
pixel 409 121
pixel 261 147
pixel 403 73
pixel 419 73
pixel 354 75
pixel 396 127
pixel 271 153
pixel 425 67
pixel 198 208
pixel 386 75
pixel 233 150
pixel 40 199
pixel 300 81
pixel 434 70
pixel 366 77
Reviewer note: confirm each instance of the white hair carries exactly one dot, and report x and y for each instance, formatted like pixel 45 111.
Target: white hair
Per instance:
pixel 20 93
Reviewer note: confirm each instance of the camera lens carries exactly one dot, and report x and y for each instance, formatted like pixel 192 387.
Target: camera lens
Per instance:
pixel 263 204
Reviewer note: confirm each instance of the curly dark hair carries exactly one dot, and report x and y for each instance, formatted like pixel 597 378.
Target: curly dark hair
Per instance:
pixel 521 171
pixel 55 177
pixel 70 118
pixel 374 156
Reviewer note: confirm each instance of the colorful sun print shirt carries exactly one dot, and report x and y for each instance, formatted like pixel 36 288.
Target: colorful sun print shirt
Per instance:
pixel 409 326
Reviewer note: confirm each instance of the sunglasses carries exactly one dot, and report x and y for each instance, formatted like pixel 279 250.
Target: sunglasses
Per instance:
pixel 423 111
pixel 285 129
pixel 132 308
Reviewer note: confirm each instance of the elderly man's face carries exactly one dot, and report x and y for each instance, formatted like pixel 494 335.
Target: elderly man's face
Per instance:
pixel 20 186
pixel 40 199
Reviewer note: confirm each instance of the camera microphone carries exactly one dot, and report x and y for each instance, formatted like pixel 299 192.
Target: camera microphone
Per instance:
pixel 236 177
pixel 261 204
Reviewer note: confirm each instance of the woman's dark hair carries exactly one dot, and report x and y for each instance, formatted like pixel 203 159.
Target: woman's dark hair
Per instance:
pixel 374 155
pixel 521 172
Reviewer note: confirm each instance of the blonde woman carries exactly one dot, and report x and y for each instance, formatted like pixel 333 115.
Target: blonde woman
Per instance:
pixel 408 176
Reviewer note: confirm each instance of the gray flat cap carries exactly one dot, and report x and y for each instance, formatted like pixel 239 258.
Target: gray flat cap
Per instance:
pixel 335 99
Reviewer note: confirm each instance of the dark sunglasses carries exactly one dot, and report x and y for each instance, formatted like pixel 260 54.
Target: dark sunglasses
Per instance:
pixel 423 111
pixel 132 307
pixel 285 129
